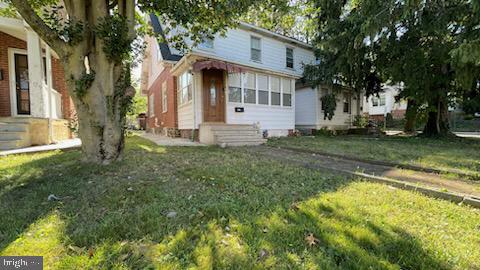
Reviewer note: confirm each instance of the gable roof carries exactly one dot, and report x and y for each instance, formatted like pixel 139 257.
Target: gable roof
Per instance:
pixel 167 54
pixel 164 48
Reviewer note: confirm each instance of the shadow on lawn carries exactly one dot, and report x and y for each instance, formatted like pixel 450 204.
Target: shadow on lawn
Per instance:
pixel 233 211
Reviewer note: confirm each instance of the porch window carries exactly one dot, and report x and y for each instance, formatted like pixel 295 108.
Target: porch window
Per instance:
pixel 234 88
pixel 164 97
pixel 255 49
pixel 287 92
pixel 262 89
pixel 275 89
pixel 249 94
pixel 184 88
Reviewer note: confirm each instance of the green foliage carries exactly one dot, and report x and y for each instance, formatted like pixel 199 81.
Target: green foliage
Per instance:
pixel 114 32
pixel 84 83
pixel 360 121
pixel 69 30
pixel 329 105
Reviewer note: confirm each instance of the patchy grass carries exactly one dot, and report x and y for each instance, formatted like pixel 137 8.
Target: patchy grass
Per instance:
pixel 460 154
pixel 233 211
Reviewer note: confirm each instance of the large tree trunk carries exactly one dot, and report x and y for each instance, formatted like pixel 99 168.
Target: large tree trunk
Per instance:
pixel 437 122
pixel 410 117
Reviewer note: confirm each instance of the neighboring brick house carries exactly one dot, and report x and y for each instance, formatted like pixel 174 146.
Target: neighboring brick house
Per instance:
pixel 35 107
pixel 162 110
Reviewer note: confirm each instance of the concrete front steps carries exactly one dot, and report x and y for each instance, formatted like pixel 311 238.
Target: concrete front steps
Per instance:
pixel 230 135
pixel 14 133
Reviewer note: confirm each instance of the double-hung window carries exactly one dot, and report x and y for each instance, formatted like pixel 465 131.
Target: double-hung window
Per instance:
pixel 184 88
pixel 287 92
pixel 275 90
pixel 255 49
pixel 249 92
pixel 346 103
pixel 234 88
pixel 262 89
pixel 164 97
pixel 382 100
pixel 289 57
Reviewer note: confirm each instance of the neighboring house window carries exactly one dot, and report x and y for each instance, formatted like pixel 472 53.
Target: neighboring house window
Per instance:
pixel 234 87
pixel 249 93
pixel 346 103
pixel 164 97
pixel 382 100
pixel 289 58
pixel 255 49
pixel 375 101
pixel 262 89
pixel 275 90
pixel 287 92
pixel 184 88
pixel 207 43
pixel 151 105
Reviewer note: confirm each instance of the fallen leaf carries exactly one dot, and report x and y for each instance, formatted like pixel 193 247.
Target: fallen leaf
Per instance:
pixel 311 240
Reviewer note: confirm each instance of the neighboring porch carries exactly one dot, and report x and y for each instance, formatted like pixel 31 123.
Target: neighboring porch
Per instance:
pixel 33 98
pixel 224 103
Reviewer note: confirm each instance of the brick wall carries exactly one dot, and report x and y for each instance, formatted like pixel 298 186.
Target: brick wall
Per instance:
pixel 7 41
pixel 162 121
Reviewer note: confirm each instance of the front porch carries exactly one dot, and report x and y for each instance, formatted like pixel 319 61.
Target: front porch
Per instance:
pixel 33 98
pixel 221 102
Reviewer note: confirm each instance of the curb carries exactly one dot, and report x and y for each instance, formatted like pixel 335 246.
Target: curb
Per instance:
pixel 431 192
pixel 381 163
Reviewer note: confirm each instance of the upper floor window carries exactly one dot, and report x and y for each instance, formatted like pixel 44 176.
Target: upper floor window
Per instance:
pixel 255 49
pixel 289 57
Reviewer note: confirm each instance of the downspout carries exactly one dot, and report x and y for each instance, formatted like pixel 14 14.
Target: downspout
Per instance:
pixel 193 104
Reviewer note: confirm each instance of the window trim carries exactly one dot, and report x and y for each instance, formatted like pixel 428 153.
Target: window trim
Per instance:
pixel 164 97
pixel 286 57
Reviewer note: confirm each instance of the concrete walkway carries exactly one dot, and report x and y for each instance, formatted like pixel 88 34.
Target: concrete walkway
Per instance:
pixel 66 144
pixel 425 179
pixel 168 141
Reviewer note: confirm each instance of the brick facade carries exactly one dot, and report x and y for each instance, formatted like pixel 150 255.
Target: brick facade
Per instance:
pixel 7 41
pixel 163 122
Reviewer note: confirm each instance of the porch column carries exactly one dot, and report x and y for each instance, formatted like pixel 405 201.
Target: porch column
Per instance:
pixel 38 102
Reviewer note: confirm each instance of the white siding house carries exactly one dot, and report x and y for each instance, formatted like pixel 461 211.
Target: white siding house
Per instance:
pixel 243 79
pixel 385 103
pixel 309 113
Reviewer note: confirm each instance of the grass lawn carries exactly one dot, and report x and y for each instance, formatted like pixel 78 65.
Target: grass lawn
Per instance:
pixel 462 154
pixel 233 211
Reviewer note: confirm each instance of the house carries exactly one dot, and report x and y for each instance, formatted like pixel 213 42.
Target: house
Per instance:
pixel 235 89
pixel 34 104
pixel 377 106
pixel 309 112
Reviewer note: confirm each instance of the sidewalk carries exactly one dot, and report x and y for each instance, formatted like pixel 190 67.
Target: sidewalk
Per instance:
pixel 168 141
pixel 66 144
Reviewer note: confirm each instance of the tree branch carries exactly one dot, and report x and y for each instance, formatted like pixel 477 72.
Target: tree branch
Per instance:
pixel 40 27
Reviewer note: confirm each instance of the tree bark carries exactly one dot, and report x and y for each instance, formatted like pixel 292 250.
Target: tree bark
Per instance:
pixel 410 117
pixel 437 123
